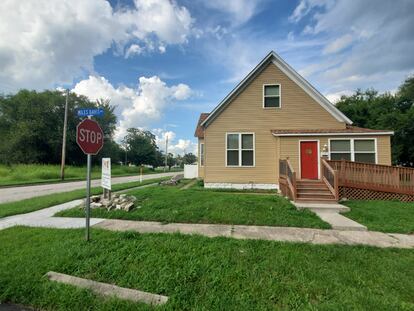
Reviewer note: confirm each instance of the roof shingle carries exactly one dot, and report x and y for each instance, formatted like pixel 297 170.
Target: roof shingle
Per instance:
pixel 199 132
pixel 348 130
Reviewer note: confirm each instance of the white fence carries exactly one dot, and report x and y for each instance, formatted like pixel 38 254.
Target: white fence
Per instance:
pixel 190 171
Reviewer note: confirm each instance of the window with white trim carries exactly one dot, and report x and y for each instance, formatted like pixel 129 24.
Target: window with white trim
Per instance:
pixel 240 149
pixel 353 149
pixel 202 154
pixel 271 96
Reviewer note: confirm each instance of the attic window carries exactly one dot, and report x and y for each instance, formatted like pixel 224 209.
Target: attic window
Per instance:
pixel 271 96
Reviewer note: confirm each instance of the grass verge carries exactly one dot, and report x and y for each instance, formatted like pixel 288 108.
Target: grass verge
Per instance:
pixel 200 273
pixel 23 174
pixel 384 216
pixel 37 203
pixel 171 204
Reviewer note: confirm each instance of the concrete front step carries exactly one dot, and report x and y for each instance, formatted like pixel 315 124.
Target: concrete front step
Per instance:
pixel 327 207
pixel 316 199
pixel 331 207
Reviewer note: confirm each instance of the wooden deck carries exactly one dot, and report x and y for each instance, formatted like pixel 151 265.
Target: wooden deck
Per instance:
pixel 352 180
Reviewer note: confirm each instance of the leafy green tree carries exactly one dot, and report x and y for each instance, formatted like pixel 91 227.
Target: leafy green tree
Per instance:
pixel 189 158
pixel 31 127
pixel 171 161
pixel 141 147
pixel 386 111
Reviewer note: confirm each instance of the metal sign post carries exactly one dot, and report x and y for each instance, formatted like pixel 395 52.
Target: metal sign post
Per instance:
pixel 89 137
pixel 88 195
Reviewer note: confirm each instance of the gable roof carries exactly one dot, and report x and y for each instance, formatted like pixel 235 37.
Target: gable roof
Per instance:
pixel 272 57
pixel 199 132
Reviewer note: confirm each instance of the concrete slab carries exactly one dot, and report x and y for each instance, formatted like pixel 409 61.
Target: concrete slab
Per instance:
pixel 405 240
pixel 332 207
pixel 369 238
pixel 209 230
pixel 339 222
pixel 273 233
pixel 108 289
pixel 285 234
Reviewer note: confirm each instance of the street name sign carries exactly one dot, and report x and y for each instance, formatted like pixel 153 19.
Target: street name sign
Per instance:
pixel 89 136
pixel 86 112
pixel 106 173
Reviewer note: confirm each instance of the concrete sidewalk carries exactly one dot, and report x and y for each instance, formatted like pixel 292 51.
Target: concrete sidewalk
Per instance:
pixel 330 213
pixel 287 234
pixel 44 218
pixel 10 194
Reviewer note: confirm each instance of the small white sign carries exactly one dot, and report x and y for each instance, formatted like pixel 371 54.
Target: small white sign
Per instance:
pixel 106 173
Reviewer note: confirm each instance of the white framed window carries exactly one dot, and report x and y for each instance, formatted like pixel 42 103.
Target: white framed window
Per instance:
pixel 240 149
pixel 353 149
pixel 201 154
pixel 271 96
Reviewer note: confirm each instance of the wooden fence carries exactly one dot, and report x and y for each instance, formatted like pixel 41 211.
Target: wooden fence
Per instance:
pixel 392 179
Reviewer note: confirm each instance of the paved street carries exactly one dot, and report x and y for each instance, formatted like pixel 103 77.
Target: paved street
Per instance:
pixel 26 192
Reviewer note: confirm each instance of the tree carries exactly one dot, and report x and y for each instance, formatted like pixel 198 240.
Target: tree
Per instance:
pixel 31 125
pixel 189 158
pixel 386 111
pixel 141 147
pixel 171 161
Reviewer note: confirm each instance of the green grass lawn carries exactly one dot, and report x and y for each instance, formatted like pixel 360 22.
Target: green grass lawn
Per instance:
pixel 34 204
pixel 37 173
pixel 385 216
pixel 199 273
pixel 171 204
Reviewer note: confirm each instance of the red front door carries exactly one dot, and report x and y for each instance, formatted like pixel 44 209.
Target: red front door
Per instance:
pixel 309 159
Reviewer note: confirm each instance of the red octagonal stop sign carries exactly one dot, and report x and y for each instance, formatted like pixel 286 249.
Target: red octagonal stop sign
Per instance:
pixel 89 136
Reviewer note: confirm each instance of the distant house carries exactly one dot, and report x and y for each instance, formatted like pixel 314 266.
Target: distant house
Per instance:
pixel 273 114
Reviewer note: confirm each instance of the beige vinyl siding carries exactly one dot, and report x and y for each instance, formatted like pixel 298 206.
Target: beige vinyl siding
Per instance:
pixel 201 168
pixel 290 148
pixel 246 114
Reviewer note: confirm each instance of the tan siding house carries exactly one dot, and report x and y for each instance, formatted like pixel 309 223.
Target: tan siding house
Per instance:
pixel 275 114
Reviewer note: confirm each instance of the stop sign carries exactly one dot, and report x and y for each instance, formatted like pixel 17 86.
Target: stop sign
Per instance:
pixel 89 136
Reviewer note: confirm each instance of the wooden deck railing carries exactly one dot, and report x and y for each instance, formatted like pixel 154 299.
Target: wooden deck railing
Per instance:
pixel 330 177
pixel 287 178
pixel 374 177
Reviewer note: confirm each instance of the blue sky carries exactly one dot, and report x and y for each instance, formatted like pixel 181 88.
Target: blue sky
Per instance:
pixel 163 62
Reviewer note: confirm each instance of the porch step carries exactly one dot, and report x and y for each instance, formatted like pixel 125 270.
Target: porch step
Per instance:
pixel 313 191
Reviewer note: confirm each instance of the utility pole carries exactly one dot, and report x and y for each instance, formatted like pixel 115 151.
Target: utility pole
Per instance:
pixel 166 152
pixel 65 125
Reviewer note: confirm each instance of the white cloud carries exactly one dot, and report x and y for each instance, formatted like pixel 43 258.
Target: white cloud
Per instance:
pixel 134 49
pixel 47 43
pixel 370 41
pixel 168 21
pixel 305 6
pixel 138 107
pixel 175 146
pixel 338 44
pixel 238 11
pixel 335 97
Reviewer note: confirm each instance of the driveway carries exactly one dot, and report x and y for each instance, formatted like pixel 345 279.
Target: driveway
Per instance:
pixel 26 192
